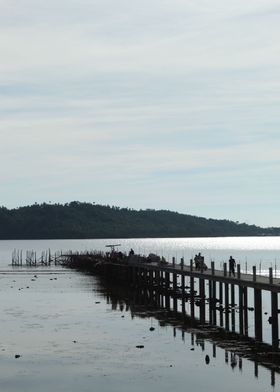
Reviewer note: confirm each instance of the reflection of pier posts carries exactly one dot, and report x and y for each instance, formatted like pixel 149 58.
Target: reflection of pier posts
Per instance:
pixel 214 350
pixel 192 338
pixel 272 378
pixel 256 367
pixel 258 314
pixel 202 300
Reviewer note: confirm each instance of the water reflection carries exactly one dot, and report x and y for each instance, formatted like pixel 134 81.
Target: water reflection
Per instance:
pixel 142 304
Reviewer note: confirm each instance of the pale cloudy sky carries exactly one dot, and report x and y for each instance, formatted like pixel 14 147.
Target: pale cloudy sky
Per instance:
pixel 171 104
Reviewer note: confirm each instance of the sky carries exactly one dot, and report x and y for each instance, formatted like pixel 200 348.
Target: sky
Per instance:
pixel 165 104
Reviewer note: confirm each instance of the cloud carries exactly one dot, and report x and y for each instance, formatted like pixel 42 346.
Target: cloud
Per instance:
pixel 155 104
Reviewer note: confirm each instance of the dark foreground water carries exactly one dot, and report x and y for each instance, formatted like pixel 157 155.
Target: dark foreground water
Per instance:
pixel 73 334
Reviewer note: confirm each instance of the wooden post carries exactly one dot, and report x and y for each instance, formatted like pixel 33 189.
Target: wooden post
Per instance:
pixel 212 267
pixel 191 264
pixel 245 304
pixel 258 314
pixel 157 272
pixel 225 269
pixel 254 273
pixel 210 302
pixel 270 275
pixel 183 294
pixel 202 300
pixel 232 308
pixel 274 319
pixel 221 303
pixel 241 310
pixel 226 307
pixel 175 302
pixel 151 278
pixel 214 302
pixel 192 297
pixel 167 288
pixel 182 263
pixel 238 271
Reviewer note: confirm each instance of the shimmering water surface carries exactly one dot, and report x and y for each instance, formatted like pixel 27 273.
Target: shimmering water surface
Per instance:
pixel 72 335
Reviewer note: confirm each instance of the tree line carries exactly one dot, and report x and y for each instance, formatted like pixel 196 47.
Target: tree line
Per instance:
pixel 90 220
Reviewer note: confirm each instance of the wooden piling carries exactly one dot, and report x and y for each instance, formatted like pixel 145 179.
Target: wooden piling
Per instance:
pixel 192 297
pixel 221 304
pixel 241 310
pixel 202 300
pixel 274 320
pixel 258 314
pixel 183 294
pixel 232 307
pixel 226 307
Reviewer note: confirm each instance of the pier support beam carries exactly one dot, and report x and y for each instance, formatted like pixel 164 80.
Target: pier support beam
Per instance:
pixel 214 302
pixel 245 304
pixel 183 294
pixel 192 297
pixel 167 288
pixel 232 307
pixel 258 314
pixel 221 301
pixel 274 321
pixel 226 307
pixel 241 310
pixel 175 301
pixel 202 300
pixel 210 301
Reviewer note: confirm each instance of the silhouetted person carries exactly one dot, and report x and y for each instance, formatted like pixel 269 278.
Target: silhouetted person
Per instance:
pixel 131 252
pixel 232 264
pixel 199 262
pixel 196 261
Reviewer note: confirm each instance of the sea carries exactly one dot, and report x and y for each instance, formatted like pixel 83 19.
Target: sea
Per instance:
pixel 63 330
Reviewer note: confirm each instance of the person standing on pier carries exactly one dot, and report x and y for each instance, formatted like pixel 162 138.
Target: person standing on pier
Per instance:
pixel 232 265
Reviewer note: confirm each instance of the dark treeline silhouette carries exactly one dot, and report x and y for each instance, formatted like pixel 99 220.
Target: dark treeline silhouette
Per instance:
pixel 86 220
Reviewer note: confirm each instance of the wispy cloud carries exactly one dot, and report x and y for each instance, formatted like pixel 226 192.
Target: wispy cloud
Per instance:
pixel 168 104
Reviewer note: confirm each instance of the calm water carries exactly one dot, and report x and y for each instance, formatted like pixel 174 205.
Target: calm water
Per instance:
pixel 71 335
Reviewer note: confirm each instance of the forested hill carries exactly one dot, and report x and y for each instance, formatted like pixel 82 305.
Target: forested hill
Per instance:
pixel 85 220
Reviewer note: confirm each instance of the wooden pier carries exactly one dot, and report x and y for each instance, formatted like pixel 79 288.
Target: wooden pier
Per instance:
pixel 219 298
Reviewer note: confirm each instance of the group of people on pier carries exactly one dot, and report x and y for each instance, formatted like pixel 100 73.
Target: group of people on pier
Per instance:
pixel 199 262
pixel 201 266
